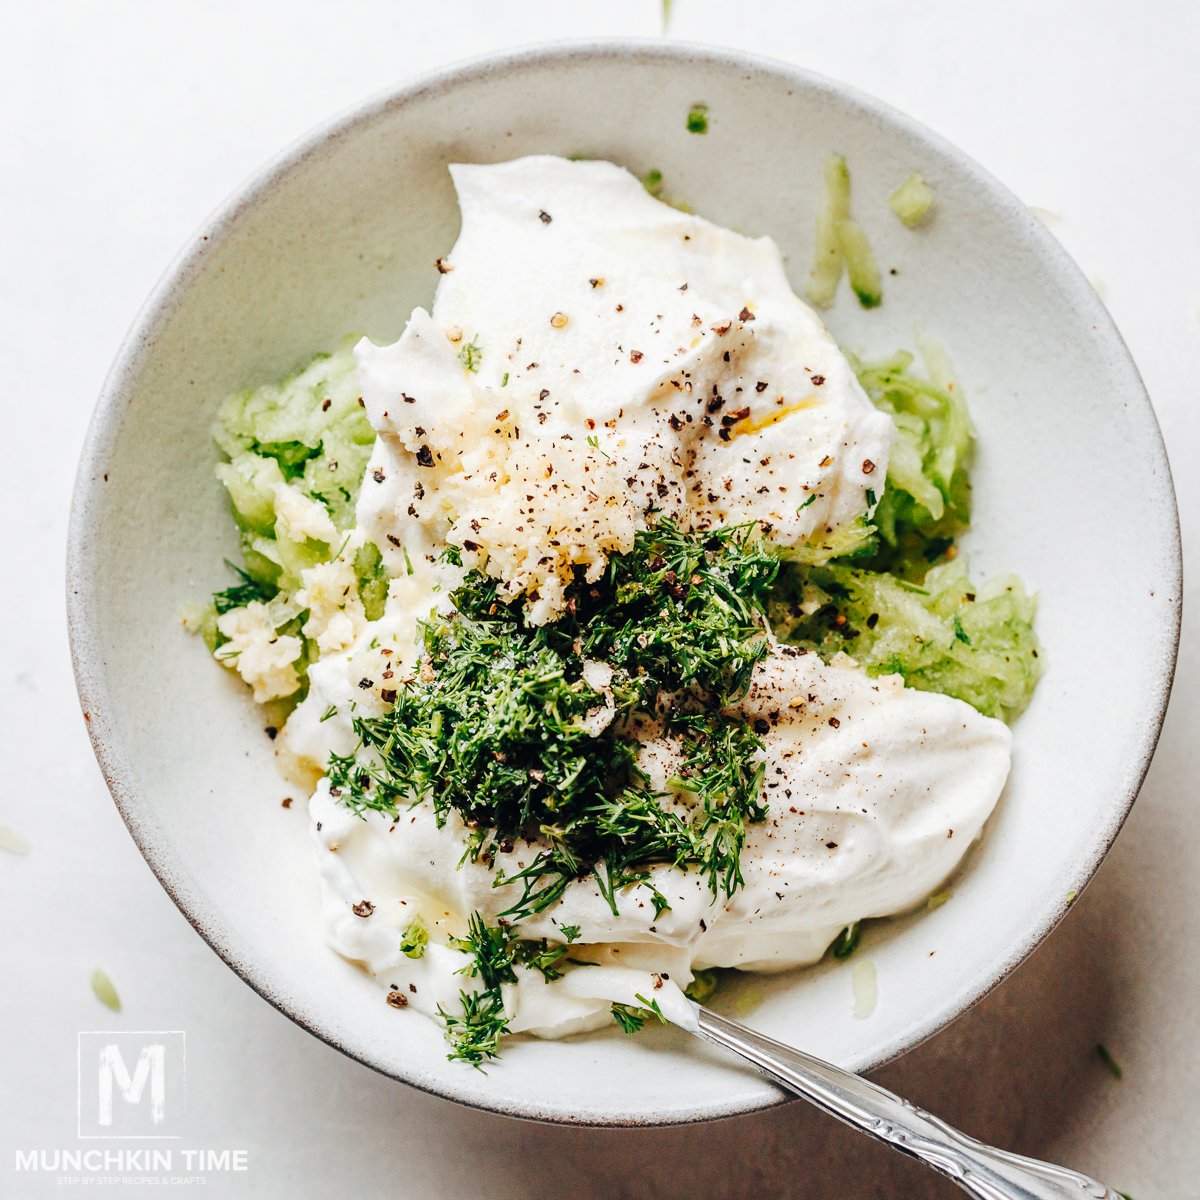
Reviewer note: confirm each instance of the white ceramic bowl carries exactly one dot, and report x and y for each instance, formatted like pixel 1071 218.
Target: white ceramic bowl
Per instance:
pixel 340 234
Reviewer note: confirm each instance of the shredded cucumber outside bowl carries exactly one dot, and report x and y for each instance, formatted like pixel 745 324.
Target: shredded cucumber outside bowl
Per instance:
pixel 301 250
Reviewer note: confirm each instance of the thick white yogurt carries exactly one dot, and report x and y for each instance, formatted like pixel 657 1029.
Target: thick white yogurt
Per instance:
pixel 612 337
pixel 874 790
pixel 632 363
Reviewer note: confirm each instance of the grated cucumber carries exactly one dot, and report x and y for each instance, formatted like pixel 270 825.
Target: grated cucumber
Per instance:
pixel 841 244
pixel 861 267
pixel 296 451
pixel 912 200
pixel 886 604
pixel 944 635
pixel 828 259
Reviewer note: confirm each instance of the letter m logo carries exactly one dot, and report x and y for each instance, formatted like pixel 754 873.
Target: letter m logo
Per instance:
pixel 131 1083
pixel 114 1075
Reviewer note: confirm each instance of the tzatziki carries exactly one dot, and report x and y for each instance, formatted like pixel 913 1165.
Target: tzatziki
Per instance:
pixel 580 676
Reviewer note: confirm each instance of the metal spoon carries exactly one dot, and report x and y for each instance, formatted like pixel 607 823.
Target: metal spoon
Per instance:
pixel 983 1171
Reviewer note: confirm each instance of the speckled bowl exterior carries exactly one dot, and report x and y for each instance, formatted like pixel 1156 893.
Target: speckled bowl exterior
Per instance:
pixel 340 235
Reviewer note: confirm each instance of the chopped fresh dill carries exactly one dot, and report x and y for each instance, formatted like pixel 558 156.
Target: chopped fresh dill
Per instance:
pixel 474 1033
pixel 697 119
pixel 652 1006
pixel 501 727
pixel 471 355
pixel 846 942
pixel 494 952
pixel 250 589
pixel 632 1019
pixel 629 1019
pixel 1105 1056
pixel 329 713
pixel 804 504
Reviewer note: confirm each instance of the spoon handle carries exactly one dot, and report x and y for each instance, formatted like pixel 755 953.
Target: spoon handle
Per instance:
pixel 983 1171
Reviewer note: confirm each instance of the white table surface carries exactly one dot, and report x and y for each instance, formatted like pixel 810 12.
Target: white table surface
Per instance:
pixel 124 123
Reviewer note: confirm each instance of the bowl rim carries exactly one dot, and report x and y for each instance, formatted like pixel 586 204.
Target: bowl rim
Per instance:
pixel 162 302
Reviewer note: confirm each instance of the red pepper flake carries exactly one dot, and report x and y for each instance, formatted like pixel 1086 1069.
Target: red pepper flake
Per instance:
pixel 722 330
pixel 834 723
pixel 745 315
pixel 398 999
pixel 286 802
pixel 868 466
pixel 425 457
pixel 364 908
pixel 444 268
pixel 817 380
pixel 325 404
pixel 545 217
pixel 761 385
pixel 636 356
pixel 377 475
